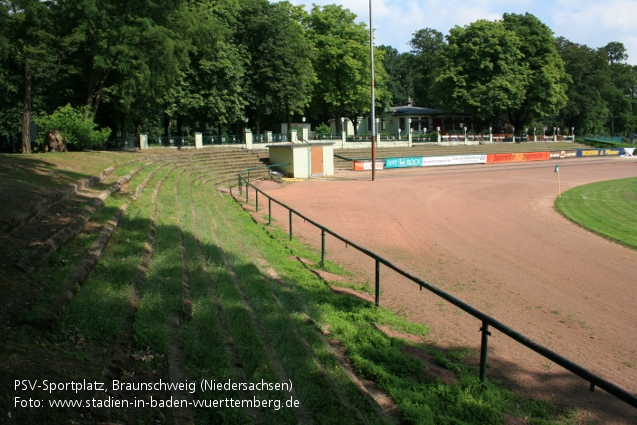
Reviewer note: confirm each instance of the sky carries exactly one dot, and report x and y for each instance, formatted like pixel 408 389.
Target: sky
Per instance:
pixel 594 23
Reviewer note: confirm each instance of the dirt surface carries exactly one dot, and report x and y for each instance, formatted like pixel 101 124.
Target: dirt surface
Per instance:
pixel 489 236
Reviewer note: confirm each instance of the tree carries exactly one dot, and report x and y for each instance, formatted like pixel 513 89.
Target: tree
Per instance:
pixel 280 76
pixel 114 42
pixel 211 90
pixel 481 71
pixel 400 70
pixel 209 93
pixel 27 26
pixel 546 85
pixel 586 109
pixel 616 52
pixel 425 46
pixel 620 93
pixel 342 64
pixel 10 80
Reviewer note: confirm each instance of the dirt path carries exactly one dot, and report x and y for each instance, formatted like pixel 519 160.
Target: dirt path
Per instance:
pixel 489 236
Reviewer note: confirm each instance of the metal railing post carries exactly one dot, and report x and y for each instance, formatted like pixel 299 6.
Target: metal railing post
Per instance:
pixel 269 211
pixel 290 224
pixel 247 186
pixel 256 199
pixel 377 282
pixel 322 247
pixel 483 352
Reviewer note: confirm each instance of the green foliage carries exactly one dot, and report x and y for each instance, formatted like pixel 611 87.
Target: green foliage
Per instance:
pixel 76 127
pixel 280 77
pixel 603 91
pixel 425 46
pixel 492 69
pixel 545 90
pixel 342 64
pixel 323 129
pixel 210 91
pixel 122 44
pixel 29 47
pixel 399 67
pixel 481 71
pixel 586 109
pixel 206 65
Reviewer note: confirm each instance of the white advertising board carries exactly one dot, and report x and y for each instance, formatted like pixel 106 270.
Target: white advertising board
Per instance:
pixel 432 161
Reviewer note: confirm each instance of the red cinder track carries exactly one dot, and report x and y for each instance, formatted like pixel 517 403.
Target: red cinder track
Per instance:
pixel 489 235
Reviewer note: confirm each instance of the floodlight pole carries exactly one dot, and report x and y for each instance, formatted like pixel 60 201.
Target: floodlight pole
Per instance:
pixel 371 55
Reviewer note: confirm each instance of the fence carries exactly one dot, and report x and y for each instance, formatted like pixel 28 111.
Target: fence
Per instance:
pixel 171 141
pixel 486 320
pixel 224 139
pixel 326 136
pixel 121 142
pixel 418 137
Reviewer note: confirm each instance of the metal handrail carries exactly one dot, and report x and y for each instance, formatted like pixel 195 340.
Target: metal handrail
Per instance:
pixel 487 321
pixel 269 166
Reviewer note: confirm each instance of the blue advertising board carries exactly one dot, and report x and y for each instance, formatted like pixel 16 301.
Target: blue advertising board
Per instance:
pixel 415 161
pixel 600 152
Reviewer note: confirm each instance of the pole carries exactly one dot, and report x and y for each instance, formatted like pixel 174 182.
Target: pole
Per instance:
pixel 371 56
pixel 484 352
pixel 559 189
pixel 377 291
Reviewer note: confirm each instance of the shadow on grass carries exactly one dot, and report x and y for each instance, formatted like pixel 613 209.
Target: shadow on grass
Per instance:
pixel 101 305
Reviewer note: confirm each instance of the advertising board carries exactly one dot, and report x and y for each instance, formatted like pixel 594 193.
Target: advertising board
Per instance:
pixel 563 154
pixel 518 157
pixel 433 161
pixel 415 161
pixel 367 165
pixel 600 152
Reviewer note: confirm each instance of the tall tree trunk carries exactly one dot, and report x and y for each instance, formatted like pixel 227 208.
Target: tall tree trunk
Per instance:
pixel 94 93
pixel 26 111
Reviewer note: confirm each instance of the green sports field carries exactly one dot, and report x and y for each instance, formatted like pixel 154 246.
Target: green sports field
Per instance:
pixel 607 208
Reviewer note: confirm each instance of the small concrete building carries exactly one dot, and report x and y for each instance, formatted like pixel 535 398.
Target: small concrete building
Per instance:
pixel 303 160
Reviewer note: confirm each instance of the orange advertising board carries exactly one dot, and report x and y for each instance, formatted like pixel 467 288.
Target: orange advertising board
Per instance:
pixel 367 165
pixel 518 157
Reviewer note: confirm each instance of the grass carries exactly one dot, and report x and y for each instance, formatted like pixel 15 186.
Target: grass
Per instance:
pixel 606 208
pixel 247 326
pixel 59 168
pixel 65 259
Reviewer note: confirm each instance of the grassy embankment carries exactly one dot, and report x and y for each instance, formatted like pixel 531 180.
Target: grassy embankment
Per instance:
pixel 210 263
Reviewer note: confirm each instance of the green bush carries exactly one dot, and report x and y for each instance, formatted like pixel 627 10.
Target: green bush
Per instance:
pixel 78 129
pixel 323 130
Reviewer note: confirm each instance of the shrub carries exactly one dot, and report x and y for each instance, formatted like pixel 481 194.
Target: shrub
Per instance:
pixel 78 129
pixel 323 130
